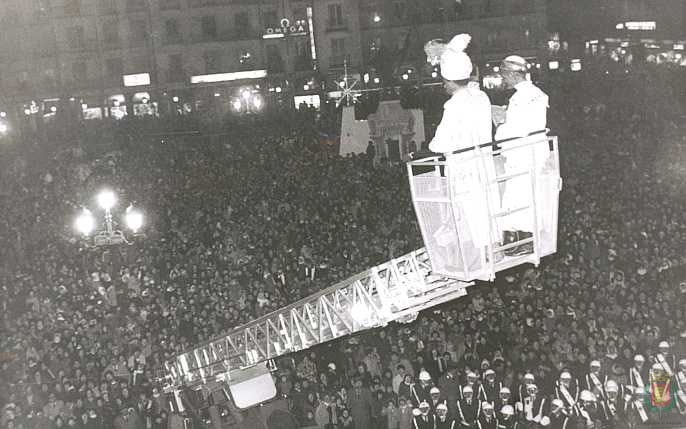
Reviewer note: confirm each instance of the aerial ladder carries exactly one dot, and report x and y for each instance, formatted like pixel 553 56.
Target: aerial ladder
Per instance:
pixel 400 288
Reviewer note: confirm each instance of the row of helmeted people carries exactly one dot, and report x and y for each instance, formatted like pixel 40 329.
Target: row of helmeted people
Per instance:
pixel 593 400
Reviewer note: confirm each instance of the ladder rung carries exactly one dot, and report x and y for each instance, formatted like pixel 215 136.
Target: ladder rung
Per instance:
pixel 513 244
pixel 509 212
pixel 509 176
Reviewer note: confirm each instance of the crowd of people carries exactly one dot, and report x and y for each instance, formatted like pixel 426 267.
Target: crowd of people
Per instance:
pixel 257 218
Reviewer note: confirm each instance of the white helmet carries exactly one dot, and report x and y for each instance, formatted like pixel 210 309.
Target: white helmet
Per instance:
pixel 682 364
pixel 639 358
pixel 487 407
pixel 529 377
pixel 595 364
pixel 424 376
pixel 467 389
pixel 504 391
pixel 435 390
pixel 565 376
pixel 489 372
pixel 587 396
pixel 663 345
pixel 557 404
pixel 507 410
pixel 611 386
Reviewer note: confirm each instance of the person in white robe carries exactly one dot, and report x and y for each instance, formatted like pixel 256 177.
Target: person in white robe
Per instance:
pixel 526 114
pixel 466 123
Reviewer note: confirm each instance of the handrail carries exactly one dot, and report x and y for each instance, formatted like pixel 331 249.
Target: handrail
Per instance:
pixel 493 143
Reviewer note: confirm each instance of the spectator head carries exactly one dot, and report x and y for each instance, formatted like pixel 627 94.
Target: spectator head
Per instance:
pixel 441 410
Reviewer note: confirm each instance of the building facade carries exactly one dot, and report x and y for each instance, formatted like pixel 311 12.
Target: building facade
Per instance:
pixel 106 54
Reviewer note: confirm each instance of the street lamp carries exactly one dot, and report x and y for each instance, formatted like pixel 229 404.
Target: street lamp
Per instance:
pixel 86 223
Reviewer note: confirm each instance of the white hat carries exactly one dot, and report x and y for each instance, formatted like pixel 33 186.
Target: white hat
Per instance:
pixel 332 366
pixel 507 410
pixel 424 376
pixel 455 64
pixel 424 404
pixel 558 403
pixel 441 406
pixel 434 390
pixel 514 63
pixel 486 405
pixel 658 367
pixel 489 372
pixel 504 390
pixel 639 358
pixel 528 376
pixel 565 375
pixel 663 345
pixel 682 362
pixel 467 389
pixel 587 396
pixel 611 386
pixel 595 363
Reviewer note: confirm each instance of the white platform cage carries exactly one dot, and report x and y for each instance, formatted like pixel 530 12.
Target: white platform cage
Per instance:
pixel 465 203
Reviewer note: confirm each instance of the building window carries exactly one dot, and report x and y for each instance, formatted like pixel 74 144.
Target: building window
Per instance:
pixel 208 27
pixel 138 32
pixel 335 15
pixel 300 13
pixel 75 37
pixel 42 10
pixel 79 72
pixel 245 57
pixel 135 5
pixel 337 51
pixel 176 73
pixel 212 62
pixel 242 24
pixel 399 10
pixel 72 7
pixel 110 33
pixel 171 30
pixel 170 4
pixel 114 70
pixel 270 19
pixel 107 7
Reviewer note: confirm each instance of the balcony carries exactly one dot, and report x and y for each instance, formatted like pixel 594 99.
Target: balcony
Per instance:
pixel 339 60
pixel 138 42
pixel 76 46
pixel 173 39
pixel 337 25
pixel 170 4
pixel 133 6
pixel 207 3
pixel 107 7
pixel 111 44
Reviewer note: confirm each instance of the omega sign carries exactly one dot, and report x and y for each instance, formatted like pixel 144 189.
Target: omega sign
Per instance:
pixel 297 28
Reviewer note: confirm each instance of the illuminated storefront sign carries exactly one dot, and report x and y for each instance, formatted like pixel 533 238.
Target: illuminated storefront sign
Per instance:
pixel 287 28
pixel 139 79
pixel 637 25
pixel 226 77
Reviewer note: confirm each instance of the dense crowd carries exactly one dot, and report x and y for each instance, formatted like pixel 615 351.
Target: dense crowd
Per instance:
pixel 260 216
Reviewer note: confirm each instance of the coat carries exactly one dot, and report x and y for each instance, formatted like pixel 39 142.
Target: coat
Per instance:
pixel 360 405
